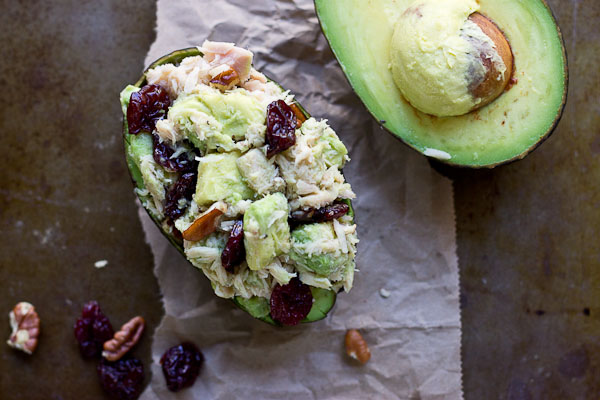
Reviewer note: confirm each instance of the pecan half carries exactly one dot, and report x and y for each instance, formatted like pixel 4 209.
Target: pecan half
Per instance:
pixel 300 118
pixel 25 324
pixel 225 80
pixel 206 223
pixel 356 346
pixel 124 339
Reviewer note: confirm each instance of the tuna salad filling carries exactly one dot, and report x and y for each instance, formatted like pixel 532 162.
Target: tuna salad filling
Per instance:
pixel 233 166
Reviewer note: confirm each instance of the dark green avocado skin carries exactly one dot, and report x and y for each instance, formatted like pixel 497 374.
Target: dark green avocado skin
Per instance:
pixel 324 299
pixel 446 167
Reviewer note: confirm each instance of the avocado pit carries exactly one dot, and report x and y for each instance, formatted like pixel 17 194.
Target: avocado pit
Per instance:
pixel 495 80
pixel 448 59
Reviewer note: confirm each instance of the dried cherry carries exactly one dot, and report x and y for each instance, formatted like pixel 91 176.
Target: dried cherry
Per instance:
pixel 181 365
pixel 281 127
pixel 291 303
pixel 123 379
pixel 323 214
pixel 92 329
pixel 184 188
pixel 234 252
pixel 163 153
pixel 146 106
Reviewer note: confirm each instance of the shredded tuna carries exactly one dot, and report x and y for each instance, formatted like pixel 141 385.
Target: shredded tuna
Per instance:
pixel 239 59
pixel 341 236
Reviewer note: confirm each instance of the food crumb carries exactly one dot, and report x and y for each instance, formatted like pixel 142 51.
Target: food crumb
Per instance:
pixel 101 263
pixel 435 153
pixel 384 293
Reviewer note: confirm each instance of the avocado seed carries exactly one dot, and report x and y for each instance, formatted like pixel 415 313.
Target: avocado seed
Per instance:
pixel 492 84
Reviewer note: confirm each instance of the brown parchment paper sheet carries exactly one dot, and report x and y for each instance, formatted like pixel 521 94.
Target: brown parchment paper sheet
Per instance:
pixel 406 226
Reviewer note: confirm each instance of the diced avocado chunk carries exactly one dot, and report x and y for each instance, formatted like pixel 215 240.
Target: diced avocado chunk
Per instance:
pixel 256 306
pixel 137 147
pixel 266 230
pixel 153 176
pixel 140 145
pixel 219 179
pixel 259 172
pixel 333 151
pixel 315 247
pixel 327 148
pixel 212 120
pixel 144 170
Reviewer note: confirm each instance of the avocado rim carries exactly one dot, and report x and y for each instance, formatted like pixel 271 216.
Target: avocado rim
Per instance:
pixel 324 299
pixel 449 163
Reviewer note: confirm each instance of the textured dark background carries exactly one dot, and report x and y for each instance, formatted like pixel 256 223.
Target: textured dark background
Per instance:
pixel 527 232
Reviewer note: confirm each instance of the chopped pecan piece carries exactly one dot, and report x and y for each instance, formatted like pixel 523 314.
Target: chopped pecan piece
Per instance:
pixel 124 339
pixel 206 223
pixel 225 80
pixel 356 346
pixel 25 324
pixel 300 118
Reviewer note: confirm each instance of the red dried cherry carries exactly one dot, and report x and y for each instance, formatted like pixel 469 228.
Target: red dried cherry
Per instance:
pixel 92 329
pixel 234 252
pixel 184 188
pixel 123 379
pixel 181 366
pixel 281 127
pixel 163 155
pixel 323 214
pixel 291 303
pixel 146 106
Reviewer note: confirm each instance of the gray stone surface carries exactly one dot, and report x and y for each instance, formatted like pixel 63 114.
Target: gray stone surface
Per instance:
pixel 66 199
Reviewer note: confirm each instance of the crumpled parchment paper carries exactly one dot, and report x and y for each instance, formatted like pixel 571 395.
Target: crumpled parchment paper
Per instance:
pixel 405 217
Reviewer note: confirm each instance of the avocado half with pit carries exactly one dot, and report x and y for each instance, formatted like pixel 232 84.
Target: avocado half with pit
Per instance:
pixel 323 300
pixel 460 110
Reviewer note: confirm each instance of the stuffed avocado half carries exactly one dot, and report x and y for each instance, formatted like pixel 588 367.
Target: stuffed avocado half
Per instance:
pixel 473 83
pixel 242 181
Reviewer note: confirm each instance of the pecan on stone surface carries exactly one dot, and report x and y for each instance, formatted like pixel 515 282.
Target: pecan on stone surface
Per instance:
pixel 124 339
pixel 25 324
pixel 356 346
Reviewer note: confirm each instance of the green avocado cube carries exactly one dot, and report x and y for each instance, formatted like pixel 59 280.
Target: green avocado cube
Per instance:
pixel 266 230
pixel 334 152
pixel 314 247
pixel 219 179
pixel 260 174
pixel 213 120
pixel 140 146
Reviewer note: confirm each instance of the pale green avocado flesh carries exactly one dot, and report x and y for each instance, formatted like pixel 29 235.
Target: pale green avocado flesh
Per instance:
pixel 266 230
pixel 219 179
pixel 509 128
pixel 322 264
pixel 138 146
